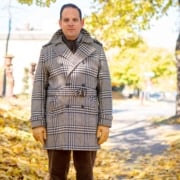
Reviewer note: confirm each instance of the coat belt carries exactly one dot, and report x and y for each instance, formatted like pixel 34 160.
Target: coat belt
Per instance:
pixel 73 91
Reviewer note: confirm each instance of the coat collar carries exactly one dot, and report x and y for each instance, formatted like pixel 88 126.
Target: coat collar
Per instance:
pixel 61 48
pixel 85 48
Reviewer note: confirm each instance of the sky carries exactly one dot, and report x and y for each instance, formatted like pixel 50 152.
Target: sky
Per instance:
pixel 163 32
pixel 39 17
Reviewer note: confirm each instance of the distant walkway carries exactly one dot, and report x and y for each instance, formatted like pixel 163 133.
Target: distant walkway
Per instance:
pixel 132 129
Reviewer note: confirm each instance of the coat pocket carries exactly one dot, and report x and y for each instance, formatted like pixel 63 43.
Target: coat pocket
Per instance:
pixel 54 106
pixel 93 102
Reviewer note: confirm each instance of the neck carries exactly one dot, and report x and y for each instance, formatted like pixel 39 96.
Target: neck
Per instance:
pixel 69 39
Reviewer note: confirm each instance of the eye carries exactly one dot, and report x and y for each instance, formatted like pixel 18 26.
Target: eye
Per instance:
pixel 66 20
pixel 75 19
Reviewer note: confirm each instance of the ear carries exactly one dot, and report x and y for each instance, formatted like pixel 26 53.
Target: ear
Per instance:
pixel 60 22
pixel 82 22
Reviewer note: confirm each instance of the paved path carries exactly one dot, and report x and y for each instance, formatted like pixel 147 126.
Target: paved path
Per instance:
pixel 132 130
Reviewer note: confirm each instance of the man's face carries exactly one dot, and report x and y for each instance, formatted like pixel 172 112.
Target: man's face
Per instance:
pixel 70 23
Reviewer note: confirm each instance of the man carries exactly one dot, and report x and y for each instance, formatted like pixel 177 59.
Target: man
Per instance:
pixel 71 98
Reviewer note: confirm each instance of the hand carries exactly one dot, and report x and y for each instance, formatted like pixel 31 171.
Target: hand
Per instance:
pixel 102 134
pixel 39 134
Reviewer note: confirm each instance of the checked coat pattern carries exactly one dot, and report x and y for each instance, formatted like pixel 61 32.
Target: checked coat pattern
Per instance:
pixel 72 93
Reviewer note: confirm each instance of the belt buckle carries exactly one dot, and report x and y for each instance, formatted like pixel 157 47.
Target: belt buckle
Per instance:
pixel 81 92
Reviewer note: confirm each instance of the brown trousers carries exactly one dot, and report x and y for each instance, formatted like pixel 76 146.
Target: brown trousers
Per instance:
pixel 59 163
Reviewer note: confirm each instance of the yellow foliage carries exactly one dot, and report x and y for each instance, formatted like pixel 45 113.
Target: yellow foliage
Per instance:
pixel 21 157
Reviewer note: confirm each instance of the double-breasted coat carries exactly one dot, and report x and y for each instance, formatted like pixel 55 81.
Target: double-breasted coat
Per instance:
pixel 72 93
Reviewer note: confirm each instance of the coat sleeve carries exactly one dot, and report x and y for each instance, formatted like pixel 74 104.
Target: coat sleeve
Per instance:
pixel 38 99
pixel 104 90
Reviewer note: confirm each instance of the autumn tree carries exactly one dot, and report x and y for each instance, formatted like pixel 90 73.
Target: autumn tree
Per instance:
pixel 119 23
pixel 177 54
pixel 178 76
pixel 134 67
pixel 41 3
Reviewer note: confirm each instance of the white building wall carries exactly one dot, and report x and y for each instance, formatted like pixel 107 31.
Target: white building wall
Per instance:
pixel 25 47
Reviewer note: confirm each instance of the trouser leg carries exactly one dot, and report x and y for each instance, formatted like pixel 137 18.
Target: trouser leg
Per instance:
pixel 84 163
pixel 59 161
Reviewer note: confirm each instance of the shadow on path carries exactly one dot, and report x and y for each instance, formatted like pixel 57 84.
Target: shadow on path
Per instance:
pixel 132 131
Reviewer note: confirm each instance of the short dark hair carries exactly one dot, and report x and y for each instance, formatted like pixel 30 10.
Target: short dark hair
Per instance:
pixel 70 5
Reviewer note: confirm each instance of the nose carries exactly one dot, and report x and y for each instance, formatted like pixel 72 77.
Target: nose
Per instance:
pixel 71 23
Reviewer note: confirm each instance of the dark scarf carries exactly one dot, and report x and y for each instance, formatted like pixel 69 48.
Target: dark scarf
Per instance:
pixel 72 44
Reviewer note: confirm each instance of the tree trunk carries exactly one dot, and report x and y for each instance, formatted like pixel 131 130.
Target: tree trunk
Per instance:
pixel 178 75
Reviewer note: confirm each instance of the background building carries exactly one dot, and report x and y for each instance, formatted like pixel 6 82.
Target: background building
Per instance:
pixel 25 46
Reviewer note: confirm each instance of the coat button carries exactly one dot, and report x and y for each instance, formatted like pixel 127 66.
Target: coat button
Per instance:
pixel 67 106
pixel 82 106
pixel 68 84
pixel 83 84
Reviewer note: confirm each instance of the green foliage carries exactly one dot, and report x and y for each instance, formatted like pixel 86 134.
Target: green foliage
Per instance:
pixel 41 3
pixel 118 23
pixel 133 66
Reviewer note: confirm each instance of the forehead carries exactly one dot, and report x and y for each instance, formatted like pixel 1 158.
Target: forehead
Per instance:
pixel 70 12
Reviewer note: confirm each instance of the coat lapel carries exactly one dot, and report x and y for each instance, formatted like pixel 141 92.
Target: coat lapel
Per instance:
pixel 62 50
pixel 75 59
pixel 82 52
pixel 85 50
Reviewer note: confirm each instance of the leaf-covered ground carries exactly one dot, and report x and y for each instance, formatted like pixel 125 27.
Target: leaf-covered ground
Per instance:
pixel 22 158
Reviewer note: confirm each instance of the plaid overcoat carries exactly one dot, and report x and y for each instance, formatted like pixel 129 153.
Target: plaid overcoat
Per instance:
pixel 72 93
